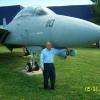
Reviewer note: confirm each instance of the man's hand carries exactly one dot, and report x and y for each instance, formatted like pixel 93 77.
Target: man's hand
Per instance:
pixel 42 68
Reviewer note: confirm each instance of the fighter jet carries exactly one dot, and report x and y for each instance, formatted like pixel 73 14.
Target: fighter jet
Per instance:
pixel 34 26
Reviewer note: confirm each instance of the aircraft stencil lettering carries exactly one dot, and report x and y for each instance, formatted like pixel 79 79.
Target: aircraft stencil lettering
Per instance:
pixel 50 23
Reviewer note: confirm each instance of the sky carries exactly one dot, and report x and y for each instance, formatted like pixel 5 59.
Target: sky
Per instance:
pixel 26 3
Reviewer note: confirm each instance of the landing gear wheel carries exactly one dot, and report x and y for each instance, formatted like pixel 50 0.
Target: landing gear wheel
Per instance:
pixel 32 65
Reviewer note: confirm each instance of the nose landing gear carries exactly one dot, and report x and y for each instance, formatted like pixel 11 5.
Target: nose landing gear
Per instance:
pixel 32 65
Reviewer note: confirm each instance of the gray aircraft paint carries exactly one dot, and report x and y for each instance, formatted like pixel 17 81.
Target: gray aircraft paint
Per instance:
pixel 29 29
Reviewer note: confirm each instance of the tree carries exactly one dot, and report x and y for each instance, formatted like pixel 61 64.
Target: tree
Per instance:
pixel 96 1
pixel 96 12
pixel 96 15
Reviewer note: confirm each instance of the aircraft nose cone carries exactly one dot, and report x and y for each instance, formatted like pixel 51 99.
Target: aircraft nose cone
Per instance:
pixel 87 31
pixel 90 33
pixel 74 32
pixel 95 31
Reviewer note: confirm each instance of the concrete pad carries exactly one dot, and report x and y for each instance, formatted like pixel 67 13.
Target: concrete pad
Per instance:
pixel 32 73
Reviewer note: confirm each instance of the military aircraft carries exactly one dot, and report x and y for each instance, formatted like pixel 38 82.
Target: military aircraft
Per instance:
pixel 34 26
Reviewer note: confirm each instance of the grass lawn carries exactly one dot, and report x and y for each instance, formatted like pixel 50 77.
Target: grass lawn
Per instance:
pixel 78 78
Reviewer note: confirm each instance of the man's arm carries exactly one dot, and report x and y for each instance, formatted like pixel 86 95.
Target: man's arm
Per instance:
pixel 60 52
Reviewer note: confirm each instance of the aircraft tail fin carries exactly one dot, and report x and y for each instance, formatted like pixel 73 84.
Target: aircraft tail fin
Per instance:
pixel 4 22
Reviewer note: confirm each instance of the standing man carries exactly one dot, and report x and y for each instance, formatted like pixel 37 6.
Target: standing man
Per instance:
pixel 47 64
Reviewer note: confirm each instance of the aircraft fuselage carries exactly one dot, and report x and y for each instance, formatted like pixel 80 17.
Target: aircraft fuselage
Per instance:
pixel 62 31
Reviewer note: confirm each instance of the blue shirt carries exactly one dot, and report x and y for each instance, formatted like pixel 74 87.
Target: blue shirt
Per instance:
pixel 47 56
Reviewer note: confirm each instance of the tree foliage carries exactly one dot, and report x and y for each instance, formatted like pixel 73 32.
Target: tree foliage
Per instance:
pixel 96 12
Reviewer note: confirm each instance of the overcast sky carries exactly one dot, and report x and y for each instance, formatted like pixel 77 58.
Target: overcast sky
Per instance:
pixel 44 2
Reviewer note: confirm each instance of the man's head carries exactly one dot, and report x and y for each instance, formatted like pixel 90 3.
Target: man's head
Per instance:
pixel 48 45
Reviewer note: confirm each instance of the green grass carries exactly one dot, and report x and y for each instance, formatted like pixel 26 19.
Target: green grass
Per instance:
pixel 73 76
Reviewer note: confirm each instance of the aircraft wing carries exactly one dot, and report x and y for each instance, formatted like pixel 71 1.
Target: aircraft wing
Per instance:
pixel 34 49
pixel 3 35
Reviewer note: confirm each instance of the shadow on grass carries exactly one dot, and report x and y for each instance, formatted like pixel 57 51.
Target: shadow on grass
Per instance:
pixel 10 57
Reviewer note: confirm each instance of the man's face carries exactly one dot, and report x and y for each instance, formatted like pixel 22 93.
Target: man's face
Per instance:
pixel 49 45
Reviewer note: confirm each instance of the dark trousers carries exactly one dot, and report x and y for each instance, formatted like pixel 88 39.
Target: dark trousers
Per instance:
pixel 49 73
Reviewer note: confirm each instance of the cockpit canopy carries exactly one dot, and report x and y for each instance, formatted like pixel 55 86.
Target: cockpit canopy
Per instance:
pixel 30 11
